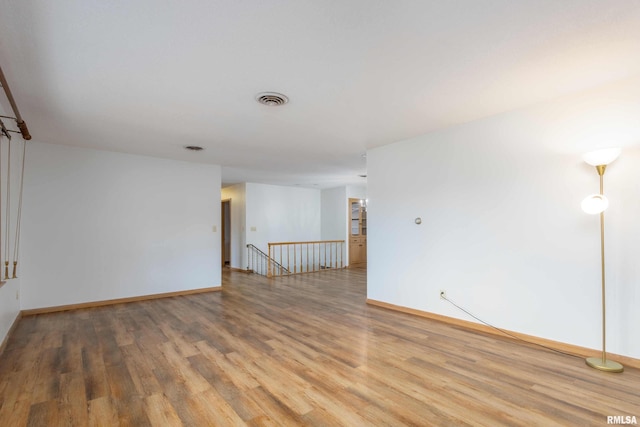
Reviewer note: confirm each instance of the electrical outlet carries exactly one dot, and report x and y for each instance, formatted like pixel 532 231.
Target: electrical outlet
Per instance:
pixel 443 294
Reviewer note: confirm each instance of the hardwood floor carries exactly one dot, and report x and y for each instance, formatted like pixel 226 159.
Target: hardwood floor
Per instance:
pixel 301 350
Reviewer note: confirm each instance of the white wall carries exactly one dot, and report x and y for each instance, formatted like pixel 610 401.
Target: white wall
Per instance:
pixel 502 230
pixel 356 191
pixel 100 225
pixel 281 214
pixel 334 214
pixel 237 195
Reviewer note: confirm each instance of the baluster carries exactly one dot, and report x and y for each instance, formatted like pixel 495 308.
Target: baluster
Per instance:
pixel 334 255
pixel 324 245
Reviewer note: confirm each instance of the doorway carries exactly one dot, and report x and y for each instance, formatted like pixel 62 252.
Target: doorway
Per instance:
pixel 226 232
pixel 357 232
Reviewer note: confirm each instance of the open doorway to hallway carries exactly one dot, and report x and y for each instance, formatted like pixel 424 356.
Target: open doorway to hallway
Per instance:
pixel 226 232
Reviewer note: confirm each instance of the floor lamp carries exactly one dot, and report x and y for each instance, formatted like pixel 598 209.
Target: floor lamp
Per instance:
pixel 596 204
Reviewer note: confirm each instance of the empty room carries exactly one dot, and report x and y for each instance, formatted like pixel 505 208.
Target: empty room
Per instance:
pixel 286 213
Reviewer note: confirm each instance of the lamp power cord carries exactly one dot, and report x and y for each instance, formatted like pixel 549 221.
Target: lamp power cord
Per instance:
pixel 502 331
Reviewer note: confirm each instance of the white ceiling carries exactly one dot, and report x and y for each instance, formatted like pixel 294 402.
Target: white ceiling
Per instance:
pixel 151 76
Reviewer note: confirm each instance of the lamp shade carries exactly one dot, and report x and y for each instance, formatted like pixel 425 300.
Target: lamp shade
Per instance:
pixel 595 204
pixel 601 157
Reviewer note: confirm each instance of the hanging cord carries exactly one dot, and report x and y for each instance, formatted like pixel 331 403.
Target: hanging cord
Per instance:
pixel 505 332
pixel 16 242
pixel 8 215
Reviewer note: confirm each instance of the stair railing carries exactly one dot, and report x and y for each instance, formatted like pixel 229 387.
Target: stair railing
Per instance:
pixel 259 262
pixel 306 257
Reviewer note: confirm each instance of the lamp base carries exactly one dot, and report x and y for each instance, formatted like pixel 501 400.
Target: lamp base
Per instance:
pixel 608 365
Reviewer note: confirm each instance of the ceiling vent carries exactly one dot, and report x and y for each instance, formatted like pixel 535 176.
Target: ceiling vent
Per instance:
pixel 193 148
pixel 272 99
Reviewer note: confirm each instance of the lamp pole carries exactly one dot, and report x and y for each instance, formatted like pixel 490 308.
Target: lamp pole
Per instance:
pixel 602 363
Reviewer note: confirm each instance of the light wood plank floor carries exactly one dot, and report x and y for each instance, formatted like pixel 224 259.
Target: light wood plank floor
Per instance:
pixel 302 350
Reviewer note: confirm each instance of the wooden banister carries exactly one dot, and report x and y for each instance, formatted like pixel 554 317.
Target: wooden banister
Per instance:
pixel 306 256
